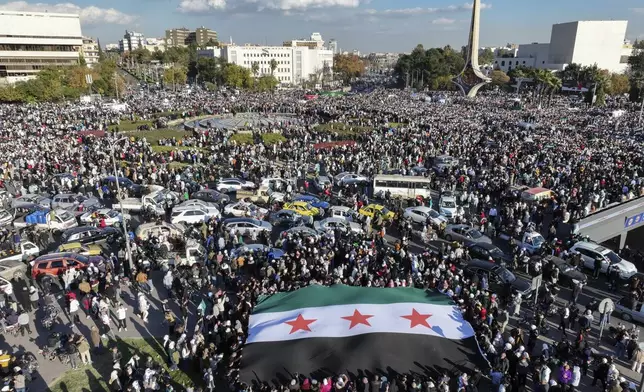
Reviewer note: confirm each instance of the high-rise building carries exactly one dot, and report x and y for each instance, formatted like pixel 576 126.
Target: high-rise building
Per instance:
pixel 333 45
pixel 131 41
pixel 31 41
pixel 90 51
pixel 181 37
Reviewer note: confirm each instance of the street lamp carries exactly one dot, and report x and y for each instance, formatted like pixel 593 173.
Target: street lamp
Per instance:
pixel 118 193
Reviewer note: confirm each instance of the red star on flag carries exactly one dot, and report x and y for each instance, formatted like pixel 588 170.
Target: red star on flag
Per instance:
pixel 300 324
pixel 418 319
pixel 358 318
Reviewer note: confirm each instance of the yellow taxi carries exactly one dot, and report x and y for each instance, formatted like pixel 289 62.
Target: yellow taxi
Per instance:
pixel 374 210
pixel 77 247
pixel 303 208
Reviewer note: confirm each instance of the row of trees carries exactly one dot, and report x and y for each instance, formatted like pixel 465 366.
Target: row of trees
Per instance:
pixel 433 68
pixel 636 72
pixel 56 84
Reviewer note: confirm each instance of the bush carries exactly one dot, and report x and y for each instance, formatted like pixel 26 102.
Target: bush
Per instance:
pixel 272 138
pixel 242 138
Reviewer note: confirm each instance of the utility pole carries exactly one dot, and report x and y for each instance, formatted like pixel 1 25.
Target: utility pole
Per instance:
pixel 120 200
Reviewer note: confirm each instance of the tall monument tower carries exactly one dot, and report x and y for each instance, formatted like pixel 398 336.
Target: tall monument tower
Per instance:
pixel 471 79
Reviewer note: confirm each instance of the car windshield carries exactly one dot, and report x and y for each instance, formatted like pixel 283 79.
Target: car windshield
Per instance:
pixel 449 204
pixel 506 275
pixel 65 215
pixel 537 241
pixel 82 259
pixel 612 256
pixel 112 214
pixel 475 234
pixel 565 267
pixel 496 252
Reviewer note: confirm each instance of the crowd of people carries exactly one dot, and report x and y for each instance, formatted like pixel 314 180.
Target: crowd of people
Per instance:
pixel 588 158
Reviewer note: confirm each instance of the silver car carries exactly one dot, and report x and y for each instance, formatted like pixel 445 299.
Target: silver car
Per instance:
pixel 28 200
pixel 466 234
pixel 72 201
pixel 247 226
pixel 422 214
pixel 337 223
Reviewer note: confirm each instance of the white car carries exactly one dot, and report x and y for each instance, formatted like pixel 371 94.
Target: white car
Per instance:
pixel 234 184
pixel 422 214
pixel 111 217
pixel 447 207
pixel 191 215
pixel 342 212
pixel 212 208
pixel 590 251
pixel 337 223
pixel 244 209
pixel 6 217
pixel 6 287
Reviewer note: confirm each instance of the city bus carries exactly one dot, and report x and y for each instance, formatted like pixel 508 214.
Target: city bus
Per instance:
pixel 402 186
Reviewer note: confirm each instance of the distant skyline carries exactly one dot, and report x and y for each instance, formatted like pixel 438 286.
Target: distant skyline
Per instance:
pixel 365 25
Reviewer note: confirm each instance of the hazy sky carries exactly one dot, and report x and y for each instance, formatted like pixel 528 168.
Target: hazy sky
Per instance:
pixel 366 25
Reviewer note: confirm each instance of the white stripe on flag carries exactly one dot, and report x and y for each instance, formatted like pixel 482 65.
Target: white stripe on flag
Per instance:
pixel 445 321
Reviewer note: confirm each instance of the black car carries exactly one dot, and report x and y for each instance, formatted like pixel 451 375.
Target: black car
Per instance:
pixel 485 251
pixel 108 234
pixel 498 276
pixel 568 275
pixel 212 196
pixel 288 219
pixel 134 190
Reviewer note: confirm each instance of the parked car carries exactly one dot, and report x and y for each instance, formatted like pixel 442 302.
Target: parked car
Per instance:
pixel 345 178
pixel 26 201
pixel 111 217
pixel 447 207
pixel 321 182
pixel 487 251
pixel 466 234
pixel 6 217
pixel 303 208
pixel 343 212
pixel 48 268
pixel 247 226
pixel 74 201
pixel 250 249
pixel 302 231
pixel 289 218
pixel 133 189
pixel 568 275
pixel 338 224
pixel 312 200
pixel 629 310
pixel 234 184
pixel 192 214
pixel 77 247
pixel 244 209
pixel 11 269
pixel 497 277
pixel 211 208
pixel 152 229
pixel 373 210
pixel 590 251
pixel 211 196
pixel 422 214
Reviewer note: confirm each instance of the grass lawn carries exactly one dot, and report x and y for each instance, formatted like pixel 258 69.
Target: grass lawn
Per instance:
pixel 94 378
pixel 344 131
pixel 242 138
pixel 127 125
pixel 396 124
pixel 178 165
pixel 163 149
pixel 272 138
pixel 155 135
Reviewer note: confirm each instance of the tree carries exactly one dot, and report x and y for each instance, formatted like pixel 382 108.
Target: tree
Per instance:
pixel 619 84
pixel 499 78
pixel 267 83
pixel 273 66
pixel 208 69
pixel 486 57
pixel 175 75
pixel 348 66
pixel 81 60
pixel 141 55
pixel 572 74
pixel 236 76
pixel 636 73
pixel 254 67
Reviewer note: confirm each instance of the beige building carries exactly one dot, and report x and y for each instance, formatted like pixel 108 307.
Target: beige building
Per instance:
pixel 314 42
pixel 180 37
pixel 90 51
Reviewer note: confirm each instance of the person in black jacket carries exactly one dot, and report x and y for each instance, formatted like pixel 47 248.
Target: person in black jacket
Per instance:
pixel 601 373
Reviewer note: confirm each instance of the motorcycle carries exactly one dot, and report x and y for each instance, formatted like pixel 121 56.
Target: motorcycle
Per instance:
pixel 51 315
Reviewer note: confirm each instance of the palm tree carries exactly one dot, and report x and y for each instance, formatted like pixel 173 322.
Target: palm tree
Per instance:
pixel 254 67
pixel 273 66
pixel 554 84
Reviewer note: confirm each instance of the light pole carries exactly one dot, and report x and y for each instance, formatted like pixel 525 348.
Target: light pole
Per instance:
pixel 641 106
pixel 118 194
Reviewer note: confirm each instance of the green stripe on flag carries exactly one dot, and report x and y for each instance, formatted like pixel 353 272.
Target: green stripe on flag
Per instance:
pixel 316 296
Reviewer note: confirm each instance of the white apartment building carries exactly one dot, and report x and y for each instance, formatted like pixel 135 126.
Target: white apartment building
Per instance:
pixel 295 64
pixel 581 42
pixel 90 51
pixel 131 41
pixel 154 44
pixel 31 41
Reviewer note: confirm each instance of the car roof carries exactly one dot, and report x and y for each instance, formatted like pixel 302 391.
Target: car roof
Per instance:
pixel 481 264
pixel 591 246
pixel 422 208
pixel 340 208
pixel 79 229
pixel 236 220
pixel 483 245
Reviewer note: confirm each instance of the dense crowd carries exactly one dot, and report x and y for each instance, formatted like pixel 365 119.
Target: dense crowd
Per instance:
pixel 588 158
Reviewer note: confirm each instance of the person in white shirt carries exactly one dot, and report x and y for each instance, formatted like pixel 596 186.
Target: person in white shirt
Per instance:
pixel 121 315
pixel 74 305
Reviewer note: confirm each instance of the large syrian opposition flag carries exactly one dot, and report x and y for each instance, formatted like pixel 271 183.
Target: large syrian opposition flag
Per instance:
pixel 319 331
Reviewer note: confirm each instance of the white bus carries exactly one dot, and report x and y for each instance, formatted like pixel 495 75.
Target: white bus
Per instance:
pixel 403 186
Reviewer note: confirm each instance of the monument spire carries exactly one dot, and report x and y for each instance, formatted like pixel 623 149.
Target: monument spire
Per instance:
pixel 471 79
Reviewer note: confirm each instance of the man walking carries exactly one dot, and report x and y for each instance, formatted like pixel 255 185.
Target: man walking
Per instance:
pixel 563 322
pixel 121 315
pixel 83 350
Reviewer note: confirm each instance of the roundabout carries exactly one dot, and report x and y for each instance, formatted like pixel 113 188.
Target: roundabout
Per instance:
pixel 242 120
